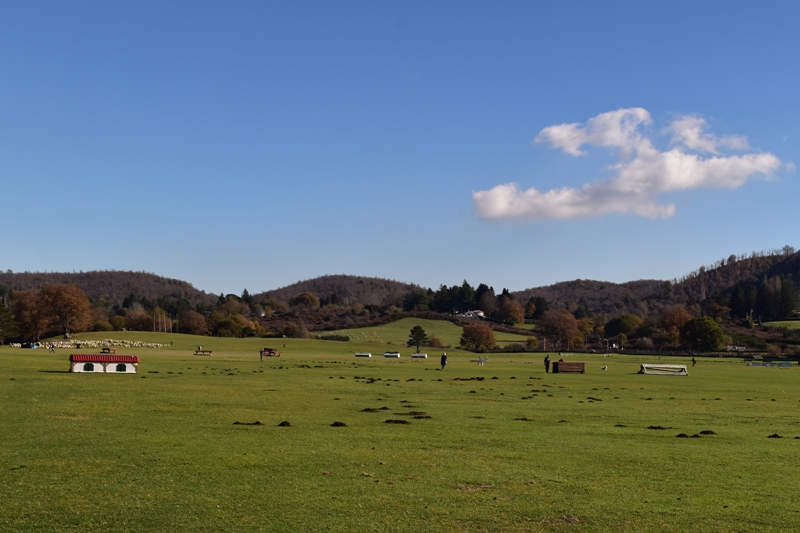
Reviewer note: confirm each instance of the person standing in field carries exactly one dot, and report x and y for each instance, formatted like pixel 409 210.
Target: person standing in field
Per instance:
pixel 694 361
pixel 547 364
pixel 444 360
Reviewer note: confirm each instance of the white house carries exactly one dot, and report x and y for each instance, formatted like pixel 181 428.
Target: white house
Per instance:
pixel 113 364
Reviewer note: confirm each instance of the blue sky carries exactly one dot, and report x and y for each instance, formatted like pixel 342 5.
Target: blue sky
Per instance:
pixel 255 144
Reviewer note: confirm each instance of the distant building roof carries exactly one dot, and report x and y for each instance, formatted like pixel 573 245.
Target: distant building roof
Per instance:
pixel 102 358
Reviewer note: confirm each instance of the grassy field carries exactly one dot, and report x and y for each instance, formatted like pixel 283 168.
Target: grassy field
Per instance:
pixel 517 450
pixel 790 324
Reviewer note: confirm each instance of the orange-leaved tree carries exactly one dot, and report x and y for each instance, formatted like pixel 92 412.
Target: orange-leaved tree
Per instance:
pixel 66 308
pixel 477 337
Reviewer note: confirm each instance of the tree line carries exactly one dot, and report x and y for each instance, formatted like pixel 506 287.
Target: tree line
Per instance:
pixel 460 299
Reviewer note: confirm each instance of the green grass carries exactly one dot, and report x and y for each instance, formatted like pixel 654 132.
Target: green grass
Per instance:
pixel 790 324
pixel 159 450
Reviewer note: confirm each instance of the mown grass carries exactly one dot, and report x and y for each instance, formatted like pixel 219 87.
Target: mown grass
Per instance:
pixel 159 450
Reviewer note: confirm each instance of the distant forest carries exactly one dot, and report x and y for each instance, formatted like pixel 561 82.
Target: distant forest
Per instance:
pixel 739 291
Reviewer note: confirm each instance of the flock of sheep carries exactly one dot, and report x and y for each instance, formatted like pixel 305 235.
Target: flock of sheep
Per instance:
pixel 106 343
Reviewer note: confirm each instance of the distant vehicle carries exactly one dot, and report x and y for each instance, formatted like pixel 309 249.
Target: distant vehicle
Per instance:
pixel 392 354
pixel 363 354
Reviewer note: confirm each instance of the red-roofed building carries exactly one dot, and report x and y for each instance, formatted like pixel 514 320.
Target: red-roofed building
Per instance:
pixel 114 364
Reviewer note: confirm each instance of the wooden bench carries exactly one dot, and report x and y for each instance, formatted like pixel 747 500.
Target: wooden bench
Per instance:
pixel 108 350
pixel 571 367
pixel 203 352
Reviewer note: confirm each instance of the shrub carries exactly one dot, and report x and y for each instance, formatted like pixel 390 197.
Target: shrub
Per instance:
pixel 434 342
pixel 102 325
pixel 341 338
pixel 118 322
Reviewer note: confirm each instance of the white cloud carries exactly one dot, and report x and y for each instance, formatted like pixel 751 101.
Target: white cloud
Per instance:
pixel 688 131
pixel 641 174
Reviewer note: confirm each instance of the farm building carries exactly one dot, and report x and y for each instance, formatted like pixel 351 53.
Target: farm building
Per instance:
pixel 114 364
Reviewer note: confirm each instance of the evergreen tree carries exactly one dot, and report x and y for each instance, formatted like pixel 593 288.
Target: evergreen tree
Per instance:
pixel 466 297
pixel 417 337
pixel 750 295
pixel 246 298
pixel 541 307
pixel 738 304
pixel 443 300
pixel 788 301
pixel 764 299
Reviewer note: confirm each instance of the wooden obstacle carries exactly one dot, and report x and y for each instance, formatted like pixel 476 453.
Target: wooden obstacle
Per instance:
pixel 664 370
pixel 571 367
pixel 269 352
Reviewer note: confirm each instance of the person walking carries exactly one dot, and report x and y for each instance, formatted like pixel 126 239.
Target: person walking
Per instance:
pixel 694 361
pixel 547 364
pixel 444 360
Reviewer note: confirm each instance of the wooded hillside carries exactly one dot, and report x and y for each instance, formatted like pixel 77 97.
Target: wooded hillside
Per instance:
pixel 343 290
pixel 649 297
pixel 116 285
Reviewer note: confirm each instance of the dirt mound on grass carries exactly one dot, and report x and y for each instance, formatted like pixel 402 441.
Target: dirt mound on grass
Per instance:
pixel 338 425
pixel 285 424
pixel 256 423
pixel 393 421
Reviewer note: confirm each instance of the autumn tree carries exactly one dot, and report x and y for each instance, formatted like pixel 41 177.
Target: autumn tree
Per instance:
pixel 559 324
pixel 138 321
pixel 417 337
pixel 511 311
pixel 99 321
pixel 305 299
pixel 31 322
pixel 193 323
pixel 488 302
pixel 8 327
pixel 66 307
pixel 530 308
pixel 477 337
pixel 672 320
pixel 296 331
pixel 231 326
pixel 118 322
pixel 717 308
pixel 585 326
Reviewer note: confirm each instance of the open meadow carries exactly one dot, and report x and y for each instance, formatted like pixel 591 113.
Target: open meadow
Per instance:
pixel 499 447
